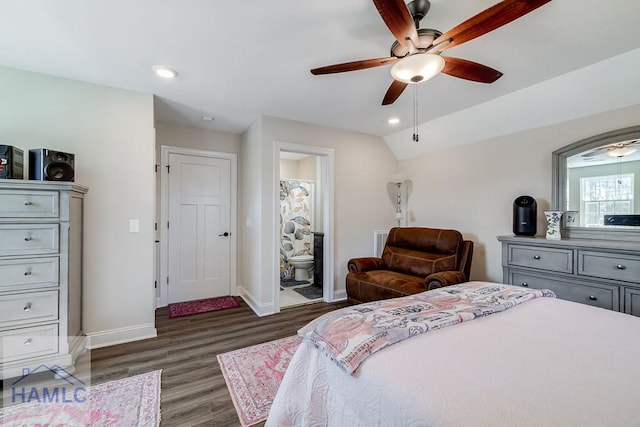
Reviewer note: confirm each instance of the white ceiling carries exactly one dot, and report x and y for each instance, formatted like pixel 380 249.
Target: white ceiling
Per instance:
pixel 240 59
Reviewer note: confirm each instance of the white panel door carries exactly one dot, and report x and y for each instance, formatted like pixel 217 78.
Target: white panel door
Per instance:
pixel 199 224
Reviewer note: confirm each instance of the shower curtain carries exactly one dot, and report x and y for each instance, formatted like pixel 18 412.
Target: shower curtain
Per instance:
pixel 295 222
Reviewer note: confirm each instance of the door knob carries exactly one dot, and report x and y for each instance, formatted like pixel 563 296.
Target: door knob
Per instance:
pixel 225 234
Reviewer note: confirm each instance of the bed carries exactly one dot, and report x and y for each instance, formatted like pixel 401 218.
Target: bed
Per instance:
pixel 545 362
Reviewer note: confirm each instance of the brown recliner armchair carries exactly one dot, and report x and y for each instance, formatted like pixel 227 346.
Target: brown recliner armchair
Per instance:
pixel 414 260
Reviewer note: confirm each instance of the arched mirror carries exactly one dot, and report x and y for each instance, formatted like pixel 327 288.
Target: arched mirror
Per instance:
pixel 596 182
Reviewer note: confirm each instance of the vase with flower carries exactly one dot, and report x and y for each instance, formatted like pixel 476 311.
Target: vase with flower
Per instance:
pixel 553 224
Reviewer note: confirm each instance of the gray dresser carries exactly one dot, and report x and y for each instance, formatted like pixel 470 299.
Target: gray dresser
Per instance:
pixel 602 273
pixel 40 275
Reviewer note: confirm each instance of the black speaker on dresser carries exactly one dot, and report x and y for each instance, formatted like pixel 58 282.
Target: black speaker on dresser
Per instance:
pixel 51 165
pixel 524 216
pixel 11 162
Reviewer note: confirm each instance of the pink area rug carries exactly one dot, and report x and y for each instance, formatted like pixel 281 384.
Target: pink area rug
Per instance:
pixel 253 375
pixel 188 308
pixel 133 401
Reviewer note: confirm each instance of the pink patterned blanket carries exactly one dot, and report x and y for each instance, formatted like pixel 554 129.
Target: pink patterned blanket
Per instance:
pixel 350 335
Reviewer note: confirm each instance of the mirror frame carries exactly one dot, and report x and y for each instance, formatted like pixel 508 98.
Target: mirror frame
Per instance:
pixel 559 184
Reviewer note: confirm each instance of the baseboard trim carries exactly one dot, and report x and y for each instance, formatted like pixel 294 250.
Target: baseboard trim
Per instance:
pixel 339 295
pixel 259 309
pixel 121 335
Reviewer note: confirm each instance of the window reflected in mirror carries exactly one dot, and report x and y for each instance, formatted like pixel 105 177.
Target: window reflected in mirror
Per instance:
pixel 601 183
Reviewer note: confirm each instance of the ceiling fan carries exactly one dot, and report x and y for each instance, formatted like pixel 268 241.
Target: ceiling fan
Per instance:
pixel 416 53
pixel 617 149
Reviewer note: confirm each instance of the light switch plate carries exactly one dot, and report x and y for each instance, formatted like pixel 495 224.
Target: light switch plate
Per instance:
pixel 134 226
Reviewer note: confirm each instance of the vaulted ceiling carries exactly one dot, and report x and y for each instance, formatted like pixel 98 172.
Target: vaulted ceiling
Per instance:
pixel 239 59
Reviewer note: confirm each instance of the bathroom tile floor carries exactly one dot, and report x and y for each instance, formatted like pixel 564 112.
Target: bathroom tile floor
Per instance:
pixel 289 297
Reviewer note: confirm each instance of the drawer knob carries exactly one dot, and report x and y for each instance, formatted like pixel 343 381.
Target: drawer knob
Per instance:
pixel 593 298
pixel 620 267
pixel 28 203
pixel 536 257
pixel 28 342
pixel 28 239
pixel 525 284
pixel 27 273
pixel 27 307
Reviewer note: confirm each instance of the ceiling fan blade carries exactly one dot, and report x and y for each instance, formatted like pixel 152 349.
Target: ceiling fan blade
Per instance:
pixel 629 142
pixel 590 154
pixel 394 91
pixel 488 20
pixel 396 15
pixel 353 66
pixel 470 70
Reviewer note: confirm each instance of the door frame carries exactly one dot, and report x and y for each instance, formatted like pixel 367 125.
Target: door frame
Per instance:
pixel 162 289
pixel 326 157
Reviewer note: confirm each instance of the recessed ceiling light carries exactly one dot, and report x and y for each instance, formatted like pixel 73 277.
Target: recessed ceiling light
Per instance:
pixel 165 72
pixel 394 121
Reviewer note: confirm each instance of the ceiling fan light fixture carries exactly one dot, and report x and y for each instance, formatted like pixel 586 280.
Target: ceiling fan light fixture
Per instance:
pixel 621 151
pixel 417 68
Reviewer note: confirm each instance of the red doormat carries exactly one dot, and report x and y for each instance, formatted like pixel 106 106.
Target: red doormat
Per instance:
pixel 253 376
pixel 188 308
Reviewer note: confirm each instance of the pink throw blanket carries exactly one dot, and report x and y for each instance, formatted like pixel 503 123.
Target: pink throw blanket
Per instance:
pixel 350 335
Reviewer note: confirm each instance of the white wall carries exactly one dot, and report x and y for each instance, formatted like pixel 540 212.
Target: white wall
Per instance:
pixel 307 169
pixel 471 188
pixel 303 169
pixel 288 169
pixel 251 186
pixel 111 133
pixel 196 138
pixel 361 205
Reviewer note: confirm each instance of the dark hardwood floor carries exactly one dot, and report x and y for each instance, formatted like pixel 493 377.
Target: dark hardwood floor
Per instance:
pixel 194 392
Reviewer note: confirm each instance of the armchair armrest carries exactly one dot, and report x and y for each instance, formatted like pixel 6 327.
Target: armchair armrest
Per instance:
pixel 444 278
pixel 360 265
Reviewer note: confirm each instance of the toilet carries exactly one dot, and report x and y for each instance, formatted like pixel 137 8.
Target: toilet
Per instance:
pixel 302 264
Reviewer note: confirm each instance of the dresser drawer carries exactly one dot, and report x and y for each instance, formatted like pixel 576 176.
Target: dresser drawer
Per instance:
pixel 28 204
pixel 28 307
pixel 632 301
pixel 598 295
pixel 28 273
pixel 549 259
pixel 28 239
pixel 28 342
pixel 609 266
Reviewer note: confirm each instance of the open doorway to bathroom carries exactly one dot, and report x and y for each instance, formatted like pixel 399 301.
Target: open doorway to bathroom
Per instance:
pixel 303 229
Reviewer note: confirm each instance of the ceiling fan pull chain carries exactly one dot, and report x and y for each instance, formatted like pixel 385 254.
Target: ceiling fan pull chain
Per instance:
pixel 415 114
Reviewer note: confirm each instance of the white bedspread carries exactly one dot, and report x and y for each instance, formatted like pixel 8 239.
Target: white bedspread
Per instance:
pixel 548 362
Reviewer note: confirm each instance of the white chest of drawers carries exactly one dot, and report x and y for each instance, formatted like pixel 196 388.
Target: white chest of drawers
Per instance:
pixel 602 273
pixel 40 275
